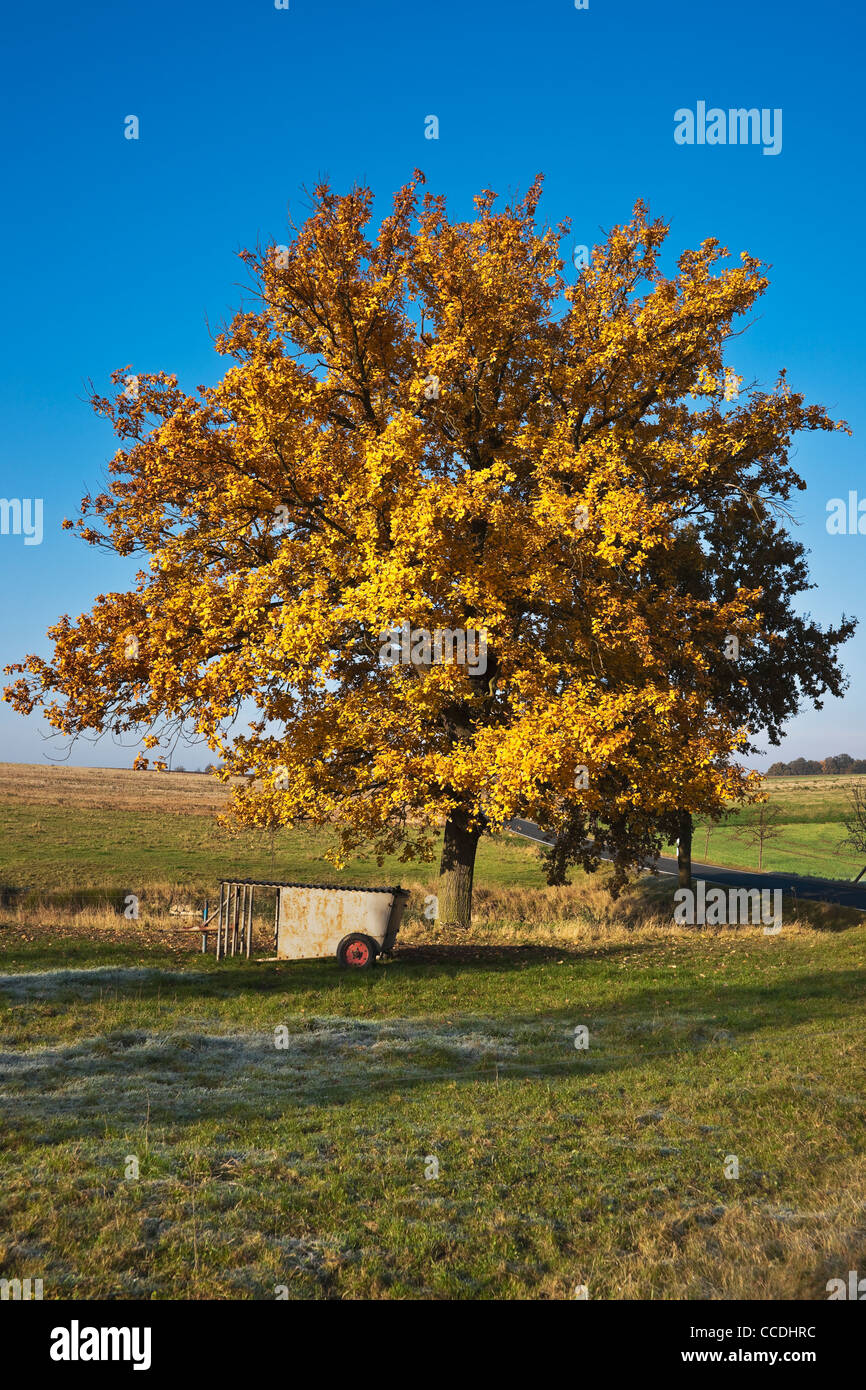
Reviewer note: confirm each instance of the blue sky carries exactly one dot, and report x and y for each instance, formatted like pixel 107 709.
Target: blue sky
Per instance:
pixel 119 251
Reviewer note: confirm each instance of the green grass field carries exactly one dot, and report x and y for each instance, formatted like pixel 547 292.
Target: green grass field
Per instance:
pixel 57 832
pixel 309 1166
pixel 810 831
pixel 428 1129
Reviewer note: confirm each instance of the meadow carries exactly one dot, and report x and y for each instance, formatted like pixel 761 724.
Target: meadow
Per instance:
pixel 812 811
pixel 434 1128
pixel 65 829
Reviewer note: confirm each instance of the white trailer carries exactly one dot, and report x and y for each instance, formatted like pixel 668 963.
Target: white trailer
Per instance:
pixel 314 920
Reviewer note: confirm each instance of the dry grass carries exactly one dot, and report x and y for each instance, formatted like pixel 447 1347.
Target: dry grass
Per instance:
pixel 581 913
pixel 91 788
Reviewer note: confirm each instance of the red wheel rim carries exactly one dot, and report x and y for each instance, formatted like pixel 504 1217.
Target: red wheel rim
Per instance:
pixel 357 953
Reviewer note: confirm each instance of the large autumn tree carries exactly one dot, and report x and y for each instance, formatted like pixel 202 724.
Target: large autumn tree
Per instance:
pixel 435 424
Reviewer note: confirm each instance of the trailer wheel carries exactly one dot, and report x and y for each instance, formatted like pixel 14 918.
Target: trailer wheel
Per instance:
pixel 356 952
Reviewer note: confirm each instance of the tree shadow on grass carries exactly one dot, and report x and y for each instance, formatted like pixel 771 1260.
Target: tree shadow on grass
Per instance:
pixel 189 1076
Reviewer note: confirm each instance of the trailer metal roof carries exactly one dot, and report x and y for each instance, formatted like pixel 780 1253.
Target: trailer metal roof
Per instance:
pixel 334 887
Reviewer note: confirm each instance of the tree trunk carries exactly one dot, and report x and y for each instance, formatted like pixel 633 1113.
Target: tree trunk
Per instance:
pixel 684 849
pixel 456 871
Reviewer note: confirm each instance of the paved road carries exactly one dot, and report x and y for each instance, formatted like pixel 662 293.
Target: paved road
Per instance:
pixel 825 890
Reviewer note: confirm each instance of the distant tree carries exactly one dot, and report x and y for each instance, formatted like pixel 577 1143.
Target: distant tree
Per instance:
pixel 804 767
pixel 855 824
pixel 838 765
pixel 707 827
pixel 762 825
